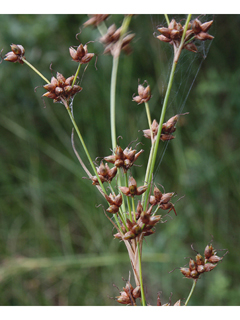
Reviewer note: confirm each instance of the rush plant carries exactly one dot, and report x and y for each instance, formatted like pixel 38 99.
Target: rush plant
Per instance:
pixel 135 210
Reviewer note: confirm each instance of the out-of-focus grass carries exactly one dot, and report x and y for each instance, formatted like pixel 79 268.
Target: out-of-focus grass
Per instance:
pixel 56 246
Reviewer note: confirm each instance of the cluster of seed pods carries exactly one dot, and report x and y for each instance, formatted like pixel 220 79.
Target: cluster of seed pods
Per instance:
pixel 129 294
pixel 61 88
pixel 195 30
pixel 143 225
pixel 201 265
pixel 167 129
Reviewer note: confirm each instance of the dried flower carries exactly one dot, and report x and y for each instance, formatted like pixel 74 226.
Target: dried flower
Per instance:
pixel 129 294
pixel 110 40
pixel 167 128
pixel 123 158
pixel 144 94
pixel 196 268
pixel 195 30
pixel 114 201
pixel 81 55
pixel 16 55
pixel 132 189
pixel 105 174
pixel 162 200
pixel 95 19
pixel 61 88
pixel 200 30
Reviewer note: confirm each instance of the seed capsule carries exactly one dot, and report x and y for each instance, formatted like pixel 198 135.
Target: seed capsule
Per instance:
pixel 209 267
pixel 136 292
pixel 186 272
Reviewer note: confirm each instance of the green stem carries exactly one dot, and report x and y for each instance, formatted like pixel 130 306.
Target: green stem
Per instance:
pixel 76 74
pixel 166 17
pixel 35 70
pixel 102 28
pixel 128 200
pixel 149 119
pixel 164 108
pixel 84 146
pixel 140 276
pixel 155 147
pixel 191 292
pixel 134 212
pixel 125 25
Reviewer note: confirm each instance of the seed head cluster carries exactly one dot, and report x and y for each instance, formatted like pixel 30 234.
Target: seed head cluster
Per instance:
pixel 195 31
pixel 201 265
pixel 16 55
pixel 167 129
pixel 111 41
pixel 61 88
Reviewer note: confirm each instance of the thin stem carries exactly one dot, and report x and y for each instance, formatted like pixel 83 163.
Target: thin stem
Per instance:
pixel 128 200
pixel 134 212
pixel 112 101
pixel 164 108
pixel 125 25
pixel 191 292
pixel 76 74
pixel 166 17
pixel 149 119
pixel 35 70
pixel 140 275
pixel 102 28
pixel 83 144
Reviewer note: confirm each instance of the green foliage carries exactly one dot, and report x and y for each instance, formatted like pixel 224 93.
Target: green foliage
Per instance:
pixel 56 246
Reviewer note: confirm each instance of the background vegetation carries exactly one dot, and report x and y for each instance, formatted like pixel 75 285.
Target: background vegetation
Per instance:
pixel 56 247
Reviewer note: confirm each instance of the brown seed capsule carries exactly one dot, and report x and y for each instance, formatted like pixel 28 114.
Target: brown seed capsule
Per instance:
pixel 186 272
pixel 199 259
pixel 209 267
pixel 214 259
pixel 194 274
pixel 11 57
pixel 154 220
pixel 145 217
pixel 201 268
pixel 129 235
pixel 192 265
pixel 136 293
pixel 123 298
pixel 208 252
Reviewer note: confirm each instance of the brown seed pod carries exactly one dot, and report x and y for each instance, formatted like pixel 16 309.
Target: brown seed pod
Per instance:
pixel 136 293
pixel 209 266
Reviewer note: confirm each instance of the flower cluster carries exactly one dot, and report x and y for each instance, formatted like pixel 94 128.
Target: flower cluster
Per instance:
pixel 16 55
pixel 195 30
pixel 114 201
pixel 201 265
pixel 162 200
pixel 111 38
pixel 132 189
pixel 105 173
pixel 95 19
pixel 167 129
pixel 145 221
pixel 81 55
pixel 123 158
pixel 129 294
pixel 61 88
pixel 144 94
pixel 168 304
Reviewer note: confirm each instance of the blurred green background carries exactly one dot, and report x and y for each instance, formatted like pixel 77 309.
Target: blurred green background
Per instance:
pixel 56 247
